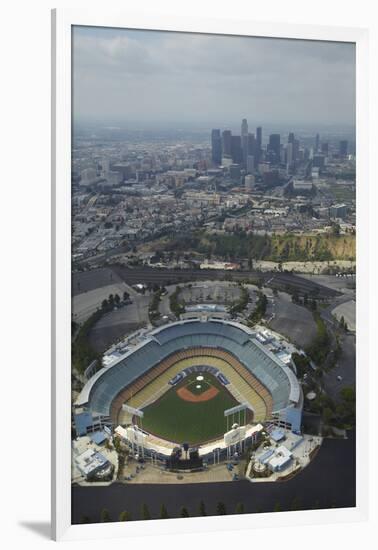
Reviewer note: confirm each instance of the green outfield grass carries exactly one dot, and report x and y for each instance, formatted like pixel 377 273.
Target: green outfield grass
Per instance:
pixel 182 421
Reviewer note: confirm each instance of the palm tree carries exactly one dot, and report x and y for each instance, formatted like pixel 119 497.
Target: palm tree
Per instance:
pixel 145 512
pixel 278 507
pixel 202 509
pixel 296 504
pixel 125 516
pixel 239 508
pixel 163 512
pixel 184 512
pixel 105 516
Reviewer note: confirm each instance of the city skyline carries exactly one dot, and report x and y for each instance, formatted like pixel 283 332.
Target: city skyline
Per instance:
pixel 152 78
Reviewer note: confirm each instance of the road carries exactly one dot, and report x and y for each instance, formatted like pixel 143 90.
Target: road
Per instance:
pixel 329 481
pixel 88 280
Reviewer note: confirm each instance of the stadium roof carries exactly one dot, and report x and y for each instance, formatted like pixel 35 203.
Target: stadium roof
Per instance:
pixel 237 339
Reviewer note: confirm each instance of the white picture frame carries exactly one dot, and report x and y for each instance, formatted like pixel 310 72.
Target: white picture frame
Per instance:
pixel 62 21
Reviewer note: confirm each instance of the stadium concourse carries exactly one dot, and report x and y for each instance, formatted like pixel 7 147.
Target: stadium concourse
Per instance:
pixel 247 372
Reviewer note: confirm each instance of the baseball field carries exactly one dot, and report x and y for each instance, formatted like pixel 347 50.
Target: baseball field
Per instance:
pixel 191 411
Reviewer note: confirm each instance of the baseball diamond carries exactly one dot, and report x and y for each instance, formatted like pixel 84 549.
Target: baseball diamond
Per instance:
pixel 183 376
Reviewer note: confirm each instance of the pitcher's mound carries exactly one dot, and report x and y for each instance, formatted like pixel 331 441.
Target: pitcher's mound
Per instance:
pixel 187 395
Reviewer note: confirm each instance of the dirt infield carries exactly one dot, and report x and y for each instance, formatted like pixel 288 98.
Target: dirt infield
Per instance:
pixel 187 395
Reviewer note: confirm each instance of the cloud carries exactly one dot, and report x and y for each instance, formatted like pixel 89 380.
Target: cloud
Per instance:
pixel 162 76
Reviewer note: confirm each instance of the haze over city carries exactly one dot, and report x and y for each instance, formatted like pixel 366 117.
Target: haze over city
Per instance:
pixel 151 78
pixel 213 185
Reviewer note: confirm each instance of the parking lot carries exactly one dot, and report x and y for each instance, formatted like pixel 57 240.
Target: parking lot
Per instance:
pixel 345 369
pixel 118 323
pixel 293 321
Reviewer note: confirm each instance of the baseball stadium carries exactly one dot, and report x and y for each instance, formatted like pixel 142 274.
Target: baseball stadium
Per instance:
pixel 189 381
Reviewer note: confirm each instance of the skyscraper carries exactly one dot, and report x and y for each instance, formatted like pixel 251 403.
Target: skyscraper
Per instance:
pixel 317 143
pixel 258 146
pixel 290 154
pixel 244 127
pixel 295 150
pixel 216 147
pixel 250 164
pixel 274 148
pixel 226 143
pixel 249 147
pixel 251 144
pixel 236 149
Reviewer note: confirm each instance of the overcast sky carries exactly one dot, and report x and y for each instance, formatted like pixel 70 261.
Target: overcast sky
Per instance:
pixel 169 78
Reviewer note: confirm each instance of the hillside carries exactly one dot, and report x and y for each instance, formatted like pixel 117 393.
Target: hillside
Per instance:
pixel 312 247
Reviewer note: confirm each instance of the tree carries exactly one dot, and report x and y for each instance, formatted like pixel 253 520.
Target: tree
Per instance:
pixel 117 443
pixel 278 507
pixel 184 512
pixel 239 508
pixel 117 299
pixel 327 415
pixel 163 512
pixel 202 508
pixel 85 519
pixel 125 516
pixel 105 516
pixel 126 296
pixel 104 304
pixel 111 299
pixel 296 504
pixel 221 509
pixel 145 512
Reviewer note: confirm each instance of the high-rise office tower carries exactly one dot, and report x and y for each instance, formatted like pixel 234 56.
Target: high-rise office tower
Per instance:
pixel 226 143
pixel 216 147
pixel 250 164
pixel 274 148
pixel 324 149
pixel 251 144
pixel 236 149
pixel 244 127
pixel 244 140
pixel 289 154
pixel 296 150
pixel 317 143
pixel 291 138
pixel 248 146
pixel 343 148
pixel 258 144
